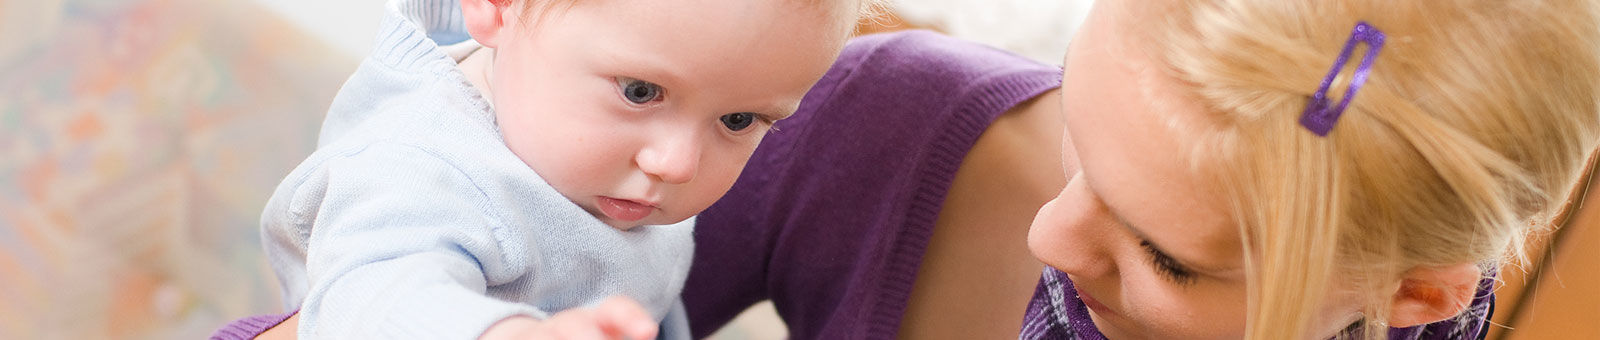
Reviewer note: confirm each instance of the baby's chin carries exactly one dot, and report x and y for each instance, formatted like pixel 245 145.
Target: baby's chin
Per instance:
pixel 626 225
pixel 621 225
pixel 655 218
pixel 614 223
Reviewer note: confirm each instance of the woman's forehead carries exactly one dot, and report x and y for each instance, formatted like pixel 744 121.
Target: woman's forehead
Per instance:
pixel 1135 128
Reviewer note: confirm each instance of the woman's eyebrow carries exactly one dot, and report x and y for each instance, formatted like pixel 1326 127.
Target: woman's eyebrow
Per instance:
pixel 1140 234
pixel 1137 232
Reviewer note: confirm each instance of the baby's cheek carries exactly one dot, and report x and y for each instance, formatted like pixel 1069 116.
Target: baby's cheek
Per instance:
pixel 713 185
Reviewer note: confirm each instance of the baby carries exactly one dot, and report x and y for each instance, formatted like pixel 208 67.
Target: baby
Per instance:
pixel 507 185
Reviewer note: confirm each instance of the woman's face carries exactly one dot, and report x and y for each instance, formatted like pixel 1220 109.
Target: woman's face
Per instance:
pixel 1147 240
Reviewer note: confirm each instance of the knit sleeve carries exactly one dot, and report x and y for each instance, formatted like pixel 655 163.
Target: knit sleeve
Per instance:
pixel 401 245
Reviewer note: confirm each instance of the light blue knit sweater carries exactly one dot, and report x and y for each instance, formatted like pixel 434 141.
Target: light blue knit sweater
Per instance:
pixel 413 220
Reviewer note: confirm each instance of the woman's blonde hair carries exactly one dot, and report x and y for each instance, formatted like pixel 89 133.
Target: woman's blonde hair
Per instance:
pixel 1471 129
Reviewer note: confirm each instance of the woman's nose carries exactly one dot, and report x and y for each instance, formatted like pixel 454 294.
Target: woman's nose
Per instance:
pixel 1070 233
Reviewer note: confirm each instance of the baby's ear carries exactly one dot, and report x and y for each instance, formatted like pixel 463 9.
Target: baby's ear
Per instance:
pixel 487 20
pixel 1433 294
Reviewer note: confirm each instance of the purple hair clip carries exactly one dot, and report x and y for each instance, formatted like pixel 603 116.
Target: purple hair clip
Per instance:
pixel 1320 116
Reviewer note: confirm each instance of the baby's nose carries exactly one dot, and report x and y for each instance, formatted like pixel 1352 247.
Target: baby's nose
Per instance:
pixel 672 161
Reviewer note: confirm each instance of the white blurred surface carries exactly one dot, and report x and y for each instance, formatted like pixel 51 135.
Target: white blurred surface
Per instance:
pixel 759 322
pixel 1038 29
pixel 349 25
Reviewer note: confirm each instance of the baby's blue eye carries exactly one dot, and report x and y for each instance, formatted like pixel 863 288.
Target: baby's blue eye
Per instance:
pixel 639 91
pixel 738 121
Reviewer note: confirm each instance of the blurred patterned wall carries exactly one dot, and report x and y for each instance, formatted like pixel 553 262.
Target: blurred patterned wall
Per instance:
pixel 139 140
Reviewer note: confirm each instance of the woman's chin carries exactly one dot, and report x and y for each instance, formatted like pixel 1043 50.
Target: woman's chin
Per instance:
pixel 1111 329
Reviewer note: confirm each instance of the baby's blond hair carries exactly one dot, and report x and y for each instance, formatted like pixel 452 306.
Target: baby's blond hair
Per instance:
pixel 1470 132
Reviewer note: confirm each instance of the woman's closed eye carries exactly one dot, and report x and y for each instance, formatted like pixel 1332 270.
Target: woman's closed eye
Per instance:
pixel 1167 266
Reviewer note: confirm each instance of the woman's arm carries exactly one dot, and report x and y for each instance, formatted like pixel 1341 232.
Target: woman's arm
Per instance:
pixel 285 330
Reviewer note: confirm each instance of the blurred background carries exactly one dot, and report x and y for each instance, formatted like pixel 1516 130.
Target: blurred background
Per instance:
pixel 139 140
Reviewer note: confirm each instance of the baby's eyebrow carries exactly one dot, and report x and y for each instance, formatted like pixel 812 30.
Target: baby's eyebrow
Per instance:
pixel 780 114
pixel 653 70
pixel 780 111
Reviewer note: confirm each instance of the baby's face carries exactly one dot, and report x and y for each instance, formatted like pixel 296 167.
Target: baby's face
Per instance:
pixel 644 112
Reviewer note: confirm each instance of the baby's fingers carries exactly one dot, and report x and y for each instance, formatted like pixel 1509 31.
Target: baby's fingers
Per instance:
pixel 622 317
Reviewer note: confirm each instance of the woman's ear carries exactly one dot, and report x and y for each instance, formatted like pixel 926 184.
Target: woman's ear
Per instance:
pixel 487 20
pixel 1432 294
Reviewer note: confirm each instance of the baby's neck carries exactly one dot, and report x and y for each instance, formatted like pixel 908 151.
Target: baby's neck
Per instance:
pixel 474 61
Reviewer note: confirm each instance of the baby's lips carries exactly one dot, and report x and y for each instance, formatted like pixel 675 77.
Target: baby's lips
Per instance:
pixel 625 210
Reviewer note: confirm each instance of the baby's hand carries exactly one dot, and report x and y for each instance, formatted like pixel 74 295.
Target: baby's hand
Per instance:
pixel 615 318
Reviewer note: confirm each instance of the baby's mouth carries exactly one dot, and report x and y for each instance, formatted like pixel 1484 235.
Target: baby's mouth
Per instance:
pixel 626 210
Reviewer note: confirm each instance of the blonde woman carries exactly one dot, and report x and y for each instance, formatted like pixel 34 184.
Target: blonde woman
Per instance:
pixel 1269 169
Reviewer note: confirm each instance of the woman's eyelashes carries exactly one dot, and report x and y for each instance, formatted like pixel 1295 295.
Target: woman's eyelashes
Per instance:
pixel 638 91
pixel 1167 266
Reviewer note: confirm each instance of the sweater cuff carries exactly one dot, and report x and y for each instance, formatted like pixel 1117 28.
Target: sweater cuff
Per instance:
pixel 451 314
